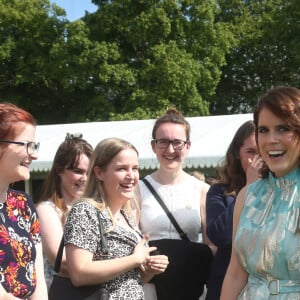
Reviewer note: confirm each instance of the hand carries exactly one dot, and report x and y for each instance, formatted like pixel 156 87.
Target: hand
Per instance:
pixel 253 169
pixel 142 252
pixel 157 264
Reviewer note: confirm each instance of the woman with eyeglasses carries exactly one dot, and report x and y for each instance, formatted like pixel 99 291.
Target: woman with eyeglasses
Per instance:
pixel 21 258
pixel 64 184
pixel 183 194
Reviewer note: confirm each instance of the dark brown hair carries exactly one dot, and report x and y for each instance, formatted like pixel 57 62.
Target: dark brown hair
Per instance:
pixel 283 102
pixel 67 157
pixel 231 173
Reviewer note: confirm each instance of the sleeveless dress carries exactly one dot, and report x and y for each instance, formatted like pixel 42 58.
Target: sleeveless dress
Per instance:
pixel 183 200
pixel 268 238
pixel 48 268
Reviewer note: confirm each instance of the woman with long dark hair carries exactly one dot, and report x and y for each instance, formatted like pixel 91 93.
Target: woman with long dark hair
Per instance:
pixel 63 185
pixel 240 167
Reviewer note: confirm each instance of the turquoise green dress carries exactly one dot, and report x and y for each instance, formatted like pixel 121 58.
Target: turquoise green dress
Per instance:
pixel 268 238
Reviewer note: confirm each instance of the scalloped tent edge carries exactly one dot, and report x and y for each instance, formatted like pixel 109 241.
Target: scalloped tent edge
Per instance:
pixel 210 137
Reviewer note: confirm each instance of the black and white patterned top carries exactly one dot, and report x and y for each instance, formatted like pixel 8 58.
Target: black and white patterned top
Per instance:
pixel 82 230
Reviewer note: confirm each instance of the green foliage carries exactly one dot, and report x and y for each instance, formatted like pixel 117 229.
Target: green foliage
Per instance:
pixel 134 59
pixel 174 49
pixel 267 54
pixel 49 65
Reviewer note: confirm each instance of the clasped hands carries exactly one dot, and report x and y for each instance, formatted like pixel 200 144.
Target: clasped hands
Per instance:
pixel 150 264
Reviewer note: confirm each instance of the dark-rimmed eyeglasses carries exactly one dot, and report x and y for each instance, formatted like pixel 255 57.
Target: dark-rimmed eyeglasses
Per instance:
pixel 31 147
pixel 164 143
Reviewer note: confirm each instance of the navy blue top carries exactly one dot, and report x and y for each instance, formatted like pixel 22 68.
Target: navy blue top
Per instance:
pixel 219 222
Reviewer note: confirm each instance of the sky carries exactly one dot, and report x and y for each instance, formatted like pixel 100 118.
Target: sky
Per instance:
pixel 75 9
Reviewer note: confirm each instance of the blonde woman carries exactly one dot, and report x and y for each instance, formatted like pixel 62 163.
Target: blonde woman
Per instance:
pixel 112 178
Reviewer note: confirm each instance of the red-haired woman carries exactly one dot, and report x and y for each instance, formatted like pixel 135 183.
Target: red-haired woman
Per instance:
pixel 21 259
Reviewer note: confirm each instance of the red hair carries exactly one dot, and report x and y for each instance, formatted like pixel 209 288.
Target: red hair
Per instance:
pixel 10 116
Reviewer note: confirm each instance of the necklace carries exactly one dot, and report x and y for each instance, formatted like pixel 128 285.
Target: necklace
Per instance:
pixel 119 217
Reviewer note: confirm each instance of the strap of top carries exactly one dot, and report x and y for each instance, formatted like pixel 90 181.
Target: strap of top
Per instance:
pixel 182 234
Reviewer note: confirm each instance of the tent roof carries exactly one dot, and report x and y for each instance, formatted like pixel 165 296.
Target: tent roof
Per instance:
pixel 210 137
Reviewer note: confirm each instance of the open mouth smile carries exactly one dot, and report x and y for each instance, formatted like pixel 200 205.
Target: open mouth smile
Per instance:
pixel 276 153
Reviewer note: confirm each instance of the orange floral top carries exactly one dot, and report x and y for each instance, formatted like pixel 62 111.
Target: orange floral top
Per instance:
pixel 19 233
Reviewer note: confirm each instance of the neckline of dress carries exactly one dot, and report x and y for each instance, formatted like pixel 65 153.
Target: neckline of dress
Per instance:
pixel 169 186
pixel 286 180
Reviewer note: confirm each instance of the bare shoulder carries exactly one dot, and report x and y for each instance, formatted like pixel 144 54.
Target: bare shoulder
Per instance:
pixel 200 183
pixel 204 189
pixel 241 196
pixel 47 209
pixel 45 205
pixel 240 200
pixel 206 186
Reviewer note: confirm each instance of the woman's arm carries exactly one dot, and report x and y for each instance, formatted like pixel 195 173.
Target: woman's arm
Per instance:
pixel 219 215
pixel 84 271
pixel 41 288
pixel 52 232
pixel 205 238
pixel 236 276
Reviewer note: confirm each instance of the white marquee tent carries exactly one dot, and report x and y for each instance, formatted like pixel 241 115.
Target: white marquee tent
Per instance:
pixel 210 137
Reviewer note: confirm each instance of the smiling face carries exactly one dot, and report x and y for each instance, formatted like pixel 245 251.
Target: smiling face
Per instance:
pixel 14 158
pixel 170 158
pixel 277 143
pixel 72 180
pixel 120 177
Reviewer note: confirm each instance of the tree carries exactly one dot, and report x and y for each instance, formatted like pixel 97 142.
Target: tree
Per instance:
pixel 133 59
pixel 28 30
pixel 267 54
pixel 47 62
pixel 173 51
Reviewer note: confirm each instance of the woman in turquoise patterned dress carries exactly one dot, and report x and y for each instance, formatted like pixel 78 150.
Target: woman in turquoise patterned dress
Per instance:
pixel 265 259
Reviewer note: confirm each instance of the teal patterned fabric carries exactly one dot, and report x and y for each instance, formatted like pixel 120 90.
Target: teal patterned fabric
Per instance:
pixel 268 238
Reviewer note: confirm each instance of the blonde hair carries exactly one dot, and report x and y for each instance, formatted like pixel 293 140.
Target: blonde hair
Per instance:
pixel 103 154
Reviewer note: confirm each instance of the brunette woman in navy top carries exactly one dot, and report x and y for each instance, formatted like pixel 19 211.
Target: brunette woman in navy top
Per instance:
pixel 241 167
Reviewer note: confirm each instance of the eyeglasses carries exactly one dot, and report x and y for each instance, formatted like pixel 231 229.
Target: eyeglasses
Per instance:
pixel 31 147
pixel 164 144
